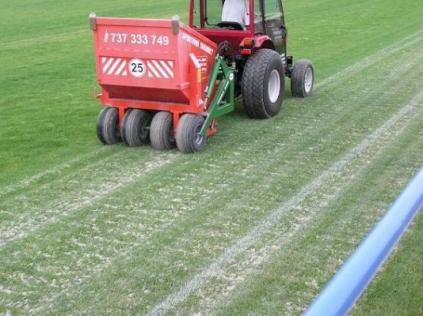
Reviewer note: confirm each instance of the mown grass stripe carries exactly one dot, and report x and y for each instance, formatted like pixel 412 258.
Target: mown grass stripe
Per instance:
pixel 64 208
pixel 253 144
pixel 247 241
pixel 334 79
pixel 29 222
pixel 53 171
pixel 304 214
pixel 137 243
pixel 372 59
pixel 398 87
pixel 322 246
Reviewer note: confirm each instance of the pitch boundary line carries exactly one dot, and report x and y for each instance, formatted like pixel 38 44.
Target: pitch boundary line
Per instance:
pixel 248 240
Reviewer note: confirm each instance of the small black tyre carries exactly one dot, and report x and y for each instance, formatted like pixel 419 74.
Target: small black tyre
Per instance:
pixel 302 79
pixel 161 131
pixel 108 126
pixel 135 127
pixel 188 138
pixel 263 84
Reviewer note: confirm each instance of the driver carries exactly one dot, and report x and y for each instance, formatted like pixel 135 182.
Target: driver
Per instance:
pixel 236 11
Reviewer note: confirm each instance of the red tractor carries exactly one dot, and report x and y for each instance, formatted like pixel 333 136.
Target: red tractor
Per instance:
pixel 165 83
pixel 257 43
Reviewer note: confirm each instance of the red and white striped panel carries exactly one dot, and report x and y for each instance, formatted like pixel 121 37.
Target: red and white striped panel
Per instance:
pixel 160 69
pixel 114 66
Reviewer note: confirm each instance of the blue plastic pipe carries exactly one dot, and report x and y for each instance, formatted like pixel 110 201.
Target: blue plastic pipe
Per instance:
pixel 342 292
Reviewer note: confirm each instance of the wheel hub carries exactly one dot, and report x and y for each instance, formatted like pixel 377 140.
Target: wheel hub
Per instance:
pixel 308 80
pixel 274 87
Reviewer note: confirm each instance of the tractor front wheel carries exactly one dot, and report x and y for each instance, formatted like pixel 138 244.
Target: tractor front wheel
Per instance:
pixel 188 137
pixel 263 84
pixel 302 79
pixel 135 127
pixel 108 126
pixel 161 131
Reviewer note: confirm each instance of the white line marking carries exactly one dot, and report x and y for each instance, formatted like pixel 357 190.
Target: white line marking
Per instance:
pixel 251 238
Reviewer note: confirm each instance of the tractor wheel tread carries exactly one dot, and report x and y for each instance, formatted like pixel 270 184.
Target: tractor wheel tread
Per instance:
pixel 107 126
pixel 134 127
pixel 187 133
pixel 254 84
pixel 161 131
pixel 298 78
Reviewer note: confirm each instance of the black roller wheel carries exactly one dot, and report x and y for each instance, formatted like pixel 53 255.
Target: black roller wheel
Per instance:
pixel 263 84
pixel 302 79
pixel 135 127
pixel 108 126
pixel 188 138
pixel 161 131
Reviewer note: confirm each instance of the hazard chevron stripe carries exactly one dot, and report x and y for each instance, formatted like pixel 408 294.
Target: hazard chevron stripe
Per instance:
pixel 160 69
pixel 114 66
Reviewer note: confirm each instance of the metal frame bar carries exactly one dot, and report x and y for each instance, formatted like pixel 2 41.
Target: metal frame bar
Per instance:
pixel 346 287
pixel 224 100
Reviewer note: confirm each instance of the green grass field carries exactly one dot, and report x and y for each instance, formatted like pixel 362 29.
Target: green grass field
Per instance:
pixel 255 224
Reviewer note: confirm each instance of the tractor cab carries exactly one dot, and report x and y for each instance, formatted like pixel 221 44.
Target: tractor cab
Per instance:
pixel 243 25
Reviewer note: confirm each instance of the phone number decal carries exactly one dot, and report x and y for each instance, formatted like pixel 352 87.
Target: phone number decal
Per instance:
pixel 136 39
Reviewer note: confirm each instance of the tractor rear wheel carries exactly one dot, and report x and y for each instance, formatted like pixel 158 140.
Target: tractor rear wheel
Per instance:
pixel 302 79
pixel 161 131
pixel 135 127
pixel 263 84
pixel 108 126
pixel 188 137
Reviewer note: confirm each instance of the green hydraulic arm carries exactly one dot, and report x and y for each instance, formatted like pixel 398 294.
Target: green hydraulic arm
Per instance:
pixel 224 100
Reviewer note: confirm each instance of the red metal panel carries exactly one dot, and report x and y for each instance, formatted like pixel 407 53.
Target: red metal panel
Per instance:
pixel 144 63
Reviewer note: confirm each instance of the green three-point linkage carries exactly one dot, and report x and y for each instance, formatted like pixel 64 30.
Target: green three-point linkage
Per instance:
pixel 224 100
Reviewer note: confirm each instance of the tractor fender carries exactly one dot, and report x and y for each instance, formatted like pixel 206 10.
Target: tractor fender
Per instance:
pixel 263 41
pixel 249 45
